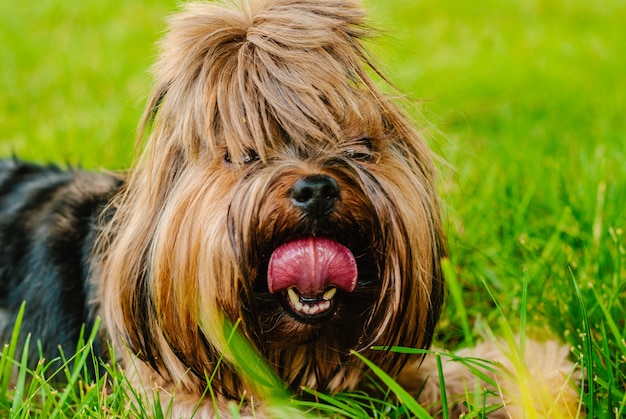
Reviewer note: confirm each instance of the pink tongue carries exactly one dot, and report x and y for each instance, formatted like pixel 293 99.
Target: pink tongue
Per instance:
pixel 311 264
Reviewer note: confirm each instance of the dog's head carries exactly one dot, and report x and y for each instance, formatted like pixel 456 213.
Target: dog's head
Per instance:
pixel 278 186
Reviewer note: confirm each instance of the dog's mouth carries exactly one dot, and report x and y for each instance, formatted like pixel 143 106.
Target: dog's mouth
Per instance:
pixel 308 274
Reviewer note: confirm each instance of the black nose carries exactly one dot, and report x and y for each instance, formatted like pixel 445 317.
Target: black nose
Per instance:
pixel 315 195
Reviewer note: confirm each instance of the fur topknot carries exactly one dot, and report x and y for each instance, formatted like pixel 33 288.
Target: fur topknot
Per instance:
pixel 242 76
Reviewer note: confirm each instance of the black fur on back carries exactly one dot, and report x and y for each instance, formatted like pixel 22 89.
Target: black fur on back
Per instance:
pixel 48 220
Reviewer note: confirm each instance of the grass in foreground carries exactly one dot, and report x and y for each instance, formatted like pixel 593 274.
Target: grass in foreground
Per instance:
pixel 26 393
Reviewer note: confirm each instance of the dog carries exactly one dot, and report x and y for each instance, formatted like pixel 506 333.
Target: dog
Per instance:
pixel 277 186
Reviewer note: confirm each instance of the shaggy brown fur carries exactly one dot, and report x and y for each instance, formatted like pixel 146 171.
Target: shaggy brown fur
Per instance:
pixel 247 101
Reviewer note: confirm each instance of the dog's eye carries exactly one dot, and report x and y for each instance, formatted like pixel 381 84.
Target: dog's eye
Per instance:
pixel 358 155
pixel 361 151
pixel 248 157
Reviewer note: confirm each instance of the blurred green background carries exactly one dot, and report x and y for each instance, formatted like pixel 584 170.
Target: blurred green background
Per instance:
pixel 524 101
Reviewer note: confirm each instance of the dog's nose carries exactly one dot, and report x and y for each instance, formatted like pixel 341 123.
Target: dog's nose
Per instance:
pixel 315 195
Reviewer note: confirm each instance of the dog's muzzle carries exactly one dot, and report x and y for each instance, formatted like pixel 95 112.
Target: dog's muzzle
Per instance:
pixel 308 272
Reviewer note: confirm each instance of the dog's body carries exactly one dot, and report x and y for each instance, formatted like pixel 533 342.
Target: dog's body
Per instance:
pixel 277 186
pixel 48 222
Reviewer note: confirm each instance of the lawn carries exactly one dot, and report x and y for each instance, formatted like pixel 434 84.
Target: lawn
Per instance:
pixel 524 102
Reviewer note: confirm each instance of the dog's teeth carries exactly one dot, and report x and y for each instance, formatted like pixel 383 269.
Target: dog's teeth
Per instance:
pixel 310 309
pixel 294 298
pixel 299 306
pixel 328 295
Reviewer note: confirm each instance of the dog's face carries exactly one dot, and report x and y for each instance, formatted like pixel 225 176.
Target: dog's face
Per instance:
pixel 280 187
pixel 332 257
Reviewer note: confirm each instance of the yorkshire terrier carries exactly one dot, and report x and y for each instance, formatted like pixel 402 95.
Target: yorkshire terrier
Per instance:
pixel 277 186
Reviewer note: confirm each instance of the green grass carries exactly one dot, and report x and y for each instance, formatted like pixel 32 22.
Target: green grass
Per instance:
pixel 524 101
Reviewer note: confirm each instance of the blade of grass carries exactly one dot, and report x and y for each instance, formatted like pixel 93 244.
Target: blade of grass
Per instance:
pixel 610 380
pixel 8 352
pixel 608 318
pixel 622 406
pixel 80 358
pixel 253 365
pixel 19 395
pixel 403 396
pixel 457 297
pixel 523 318
pixel 442 388
pixel 477 366
pixel 331 404
pixel 506 326
pixel 587 355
